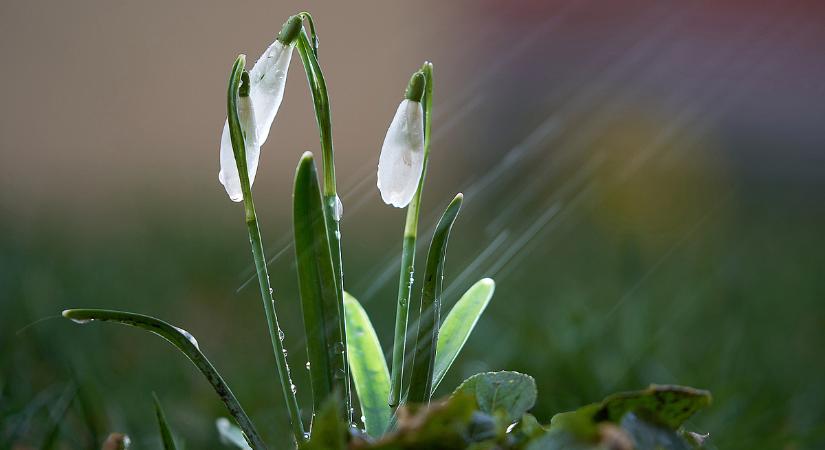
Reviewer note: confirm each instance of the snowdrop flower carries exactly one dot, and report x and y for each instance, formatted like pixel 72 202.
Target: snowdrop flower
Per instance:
pixel 402 155
pixel 258 108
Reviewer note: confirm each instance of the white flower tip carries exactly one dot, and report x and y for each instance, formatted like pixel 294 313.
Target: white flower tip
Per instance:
pixel 398 199
pixel 402 155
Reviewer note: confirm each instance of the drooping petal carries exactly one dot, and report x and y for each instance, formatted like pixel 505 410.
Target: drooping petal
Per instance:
pixel 267 81
pixel 402 155
pixel 228 175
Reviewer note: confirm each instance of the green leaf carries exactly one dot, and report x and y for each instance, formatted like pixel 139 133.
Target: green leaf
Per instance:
pixel 647 436
pixel 525 431
pixel 665 405
pixel 421 375
pixel 230 434
pixel 165 431
pixel 439 425
pixel 458 325
pixel 320 305
pixel 369 369
pixel 329 431
pixel 187 344
pixel 512 393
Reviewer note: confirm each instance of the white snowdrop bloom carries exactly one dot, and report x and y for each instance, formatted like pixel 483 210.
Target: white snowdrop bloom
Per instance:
pixel 267 81
pixel 402 155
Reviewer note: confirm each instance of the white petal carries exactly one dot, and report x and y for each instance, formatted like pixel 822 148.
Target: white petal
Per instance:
pixel 228 175
pixel 402 155
pixel 257 112
pixel 268 79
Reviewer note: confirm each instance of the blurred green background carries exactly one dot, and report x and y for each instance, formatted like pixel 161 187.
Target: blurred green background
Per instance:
pixel 643 180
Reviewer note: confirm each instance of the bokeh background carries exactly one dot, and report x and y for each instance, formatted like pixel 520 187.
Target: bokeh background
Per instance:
pixel 643 179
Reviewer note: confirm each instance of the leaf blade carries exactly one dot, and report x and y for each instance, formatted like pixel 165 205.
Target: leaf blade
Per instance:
pixel 320 304
pixel 510 392
pixel 187 345
pixel 458 325
pixel 368 367
pixel 421 375
pixel 165 432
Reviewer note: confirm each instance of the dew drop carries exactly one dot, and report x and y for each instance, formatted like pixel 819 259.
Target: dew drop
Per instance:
pixel 308 366
pixel 340 374
pixel 281 334
pixel 337 210
pixel 188 337
pixel 81 321
pixel 338 347
pixel 294 388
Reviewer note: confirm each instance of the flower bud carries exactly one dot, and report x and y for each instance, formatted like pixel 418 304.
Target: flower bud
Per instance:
pixel 402 155
pixel 265 87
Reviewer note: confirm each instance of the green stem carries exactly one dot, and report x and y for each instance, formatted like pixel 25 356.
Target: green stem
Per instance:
pixel 239 149
pixel 405 278
pixel 332 210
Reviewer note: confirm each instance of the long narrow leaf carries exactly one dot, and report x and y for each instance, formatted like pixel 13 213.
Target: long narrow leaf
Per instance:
pixel 421 376
pixel 368 367
pixel 187 344
pixel 458 325
pixel 320 304
pixel 165 431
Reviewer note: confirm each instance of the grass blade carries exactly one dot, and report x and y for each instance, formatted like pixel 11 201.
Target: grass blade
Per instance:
pixel 320 304
pixel 187 344
pixel 458 325
pixel 165 431
pixel 421 376
pixel 368 367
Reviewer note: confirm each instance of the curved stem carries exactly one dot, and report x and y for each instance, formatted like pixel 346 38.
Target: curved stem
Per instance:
pixel 239 149
pixel 332 207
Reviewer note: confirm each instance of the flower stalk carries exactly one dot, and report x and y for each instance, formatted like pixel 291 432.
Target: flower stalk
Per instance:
pixel 237 80
pixel 405 279
pixel 333 209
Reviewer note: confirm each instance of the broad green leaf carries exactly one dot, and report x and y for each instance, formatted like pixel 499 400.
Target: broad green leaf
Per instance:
pixel 458 325
pixel 511 393
pixel 647 436
pixel 368 367
pixel 421 375
pixel 165 431
pixel 184 342
pixel 230 434
pixel 665 405
pixel 320 305
pixel 526 430
pixel 439 425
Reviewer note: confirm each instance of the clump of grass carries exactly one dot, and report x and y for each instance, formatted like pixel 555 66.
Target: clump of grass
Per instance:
pixel 488 410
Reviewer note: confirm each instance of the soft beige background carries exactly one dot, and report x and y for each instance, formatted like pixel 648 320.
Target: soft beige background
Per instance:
pixel 106 102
